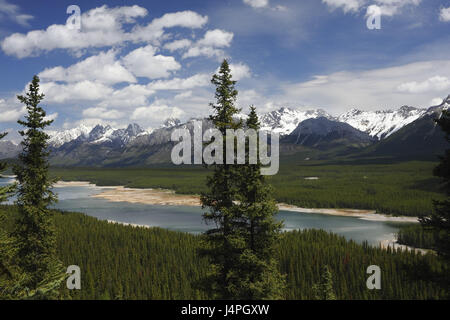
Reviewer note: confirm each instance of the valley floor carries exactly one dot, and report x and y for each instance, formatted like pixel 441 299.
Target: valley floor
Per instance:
pixel 399 188
pixel 169 197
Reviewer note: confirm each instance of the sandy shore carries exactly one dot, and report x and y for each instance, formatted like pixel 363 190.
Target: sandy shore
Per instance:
pixel 62 184
pixel 148 196
pixel 392 243
pixel 362 214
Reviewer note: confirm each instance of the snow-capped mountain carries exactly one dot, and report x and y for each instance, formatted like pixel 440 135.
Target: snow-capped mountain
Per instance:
pixel 106 134
pixel 171 122
pixel 9 149
pixel 377 124
pixel 58 138
pixel 285 120
pixel 99 134
pixel 325 133
pixel 381 124
pixel 441 107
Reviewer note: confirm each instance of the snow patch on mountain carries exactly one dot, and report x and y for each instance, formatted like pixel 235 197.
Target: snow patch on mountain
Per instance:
pixel 381 124
pixel 171 122
pixel 285 120
pixel 58 138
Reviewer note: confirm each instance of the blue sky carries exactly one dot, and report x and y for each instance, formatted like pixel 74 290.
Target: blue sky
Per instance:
pixel 146 61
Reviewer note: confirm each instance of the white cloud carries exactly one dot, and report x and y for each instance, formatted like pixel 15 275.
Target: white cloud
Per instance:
pixel 346 5
pixel 130 96
pixel 102 68
pixel 216 38
pixel 155 29
pixel 257 3
pixel 144 63
pixel 392 7
pixel 90 122
pixel 444 14
pixel 101 27
pixel 436 83
pixel 11 115
pixel 12 12
pixel 102 113
pixel 183 95
pixel 52 116
pixel 10 112
pixel 186 19
pixel 79 91
pixel 370 90
pixel 156 113
pixel 436 101
pixel 177 44
pixel 198 80
pixel 239 71
pixel 387 7
pixel 209 44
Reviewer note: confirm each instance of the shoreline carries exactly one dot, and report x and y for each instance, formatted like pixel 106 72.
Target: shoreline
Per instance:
pixel 165 197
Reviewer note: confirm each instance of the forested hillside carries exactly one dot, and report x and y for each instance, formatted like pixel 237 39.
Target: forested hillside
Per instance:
pixel 124 262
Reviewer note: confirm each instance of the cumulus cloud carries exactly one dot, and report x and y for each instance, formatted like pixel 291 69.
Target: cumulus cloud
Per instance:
pixel 52 116
pixel 156 113
pixel 239 71
pixel 130 96
pixel 144 62
pixel 102 68
pixel 178 44
pixel 91 122
pixel 78 91
pixel 373 89
pixel 436 101
pixel 393 7
pixel 100 27
pixel 436 83
pixel 10 112
pixel 387 7
pixel 198 80
pixel 12 12
pixel 11 115
pixel 183 95
pixel 102 113
pixel 257 3
pixel 346 5
pixel 210 43
pixel 444 14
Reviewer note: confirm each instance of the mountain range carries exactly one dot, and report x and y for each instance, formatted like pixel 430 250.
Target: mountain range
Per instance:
pixel 386 133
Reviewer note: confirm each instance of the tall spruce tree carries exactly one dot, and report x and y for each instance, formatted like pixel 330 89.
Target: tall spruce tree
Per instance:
pixel 34 231
pixel 323 290
pixel 260 277
pixel 225 242
pixel 439 220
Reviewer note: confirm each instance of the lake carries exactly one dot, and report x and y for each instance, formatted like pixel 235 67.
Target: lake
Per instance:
pixel 189 219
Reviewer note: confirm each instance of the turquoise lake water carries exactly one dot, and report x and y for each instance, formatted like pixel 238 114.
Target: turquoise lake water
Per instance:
pixel 189 219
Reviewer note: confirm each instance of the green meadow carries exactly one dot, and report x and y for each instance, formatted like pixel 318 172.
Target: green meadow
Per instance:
pixel 398 188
